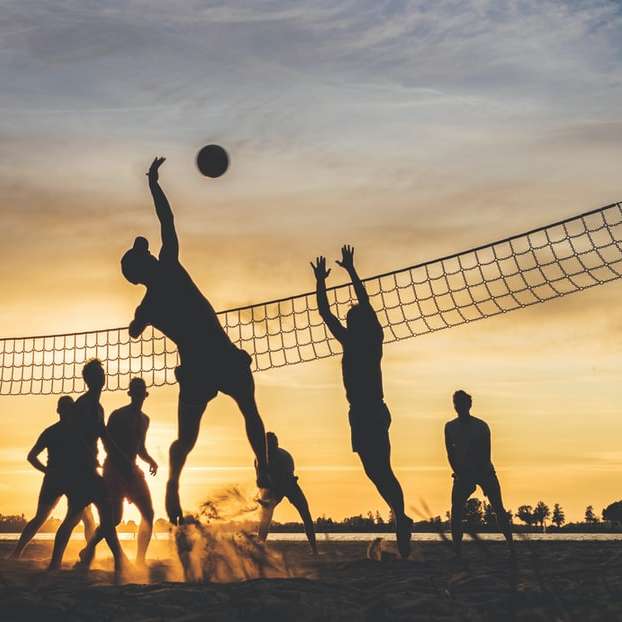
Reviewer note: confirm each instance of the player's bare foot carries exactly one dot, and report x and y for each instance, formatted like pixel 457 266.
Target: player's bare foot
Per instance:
pixel 173 504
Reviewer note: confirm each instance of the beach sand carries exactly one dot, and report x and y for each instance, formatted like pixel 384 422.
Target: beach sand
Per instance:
pixel 552 581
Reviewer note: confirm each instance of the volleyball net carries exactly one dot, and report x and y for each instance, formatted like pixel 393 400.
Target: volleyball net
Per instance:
pixel 519 271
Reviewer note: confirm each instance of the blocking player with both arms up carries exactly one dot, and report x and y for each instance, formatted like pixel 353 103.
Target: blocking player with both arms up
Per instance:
pixel 361 339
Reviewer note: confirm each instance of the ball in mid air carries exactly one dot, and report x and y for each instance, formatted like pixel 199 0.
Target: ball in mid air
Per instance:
pixel 212 161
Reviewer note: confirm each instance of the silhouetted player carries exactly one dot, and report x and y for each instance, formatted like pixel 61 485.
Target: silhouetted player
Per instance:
pixel 467 439
pixel 283 483
pixel 209 361
pixel 126 432
pixel 85 485
pixel 55 439
pixel 361 340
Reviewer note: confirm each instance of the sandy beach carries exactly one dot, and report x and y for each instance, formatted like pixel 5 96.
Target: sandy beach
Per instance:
pixel 552 581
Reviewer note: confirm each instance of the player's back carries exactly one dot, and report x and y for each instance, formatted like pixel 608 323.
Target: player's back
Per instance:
pixel 468 439
pixel 361 363
pixel 87 424
pixel 176 307
pixel 57 441
pixel 281 468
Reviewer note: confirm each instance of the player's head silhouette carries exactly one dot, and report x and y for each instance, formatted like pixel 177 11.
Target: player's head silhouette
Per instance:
pixel 65 406
pixel 358 320
pixel 271 441
pixel 137 391
pixel 94 375
pixel 138 264
pixel 462 402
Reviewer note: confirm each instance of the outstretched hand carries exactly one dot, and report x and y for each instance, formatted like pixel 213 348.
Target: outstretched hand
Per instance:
pixel 153 467
pixel 347 257
pixel 152 173
pixel 319 268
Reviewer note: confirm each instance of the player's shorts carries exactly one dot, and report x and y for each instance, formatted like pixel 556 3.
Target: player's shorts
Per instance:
pixel 126 484
pixel 201 378
pixel 278 491
pixel 369 426
pixel 464 486
pixel 54 486
pixel 86 487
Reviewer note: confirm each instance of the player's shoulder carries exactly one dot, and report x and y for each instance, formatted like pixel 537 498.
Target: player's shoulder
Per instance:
pixel 118 413
pixel 451 424
pixel 480 423
pixel 81 399
pixel 51 430
pixel 284 453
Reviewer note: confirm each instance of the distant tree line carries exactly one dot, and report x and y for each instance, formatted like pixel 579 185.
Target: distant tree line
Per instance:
pixel 479 517
pixel 15 523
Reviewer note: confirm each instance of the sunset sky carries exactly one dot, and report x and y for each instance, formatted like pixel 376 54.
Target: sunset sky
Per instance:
pixel 408 129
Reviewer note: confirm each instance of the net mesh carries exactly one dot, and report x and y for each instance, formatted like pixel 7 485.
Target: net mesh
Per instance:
pixel 526 269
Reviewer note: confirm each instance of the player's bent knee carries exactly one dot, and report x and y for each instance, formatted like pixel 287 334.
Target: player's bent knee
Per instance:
pixel 181 447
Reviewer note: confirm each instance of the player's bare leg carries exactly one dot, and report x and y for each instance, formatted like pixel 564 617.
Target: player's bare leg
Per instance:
pixel 44 509
pixel 297 498
pixel 87 554
pixel 108 529
pixel 145 529
pixel 459 497
pixel 188 422
pixel 377 465
pixel 89 523
pixel 72 518
pixel 494 496
pixel 242 390
pixel 267 510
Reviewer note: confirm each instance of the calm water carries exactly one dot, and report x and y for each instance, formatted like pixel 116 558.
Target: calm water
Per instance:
pixel 365 537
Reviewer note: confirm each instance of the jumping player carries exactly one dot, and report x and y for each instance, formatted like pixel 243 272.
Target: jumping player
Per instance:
pixel 55 440
pixel 84 484
pixel 209 361
pixel 126 432
pixel 283 483
pixel 467 440
pixel 361 340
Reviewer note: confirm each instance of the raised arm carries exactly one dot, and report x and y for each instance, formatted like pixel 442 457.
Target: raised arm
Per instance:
pixel 347 262
pixel 144 454
pixel 333 323
pixel 170 243
pixel 33 454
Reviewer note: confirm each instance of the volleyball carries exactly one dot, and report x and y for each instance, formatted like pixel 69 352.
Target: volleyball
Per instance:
pixel 212 161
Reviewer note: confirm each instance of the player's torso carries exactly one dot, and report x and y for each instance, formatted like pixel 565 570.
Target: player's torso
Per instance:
pixel 58 441
pixel 125 430
pixel 281 468
pixel 87 424
pixel 467 440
